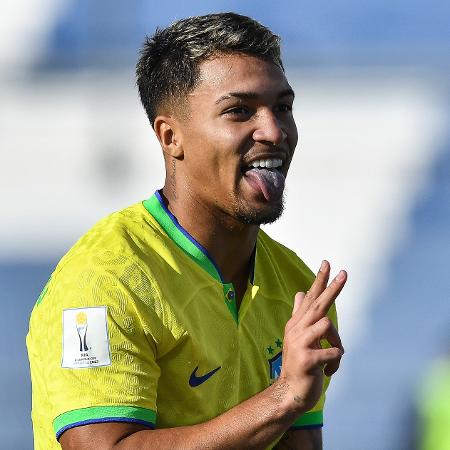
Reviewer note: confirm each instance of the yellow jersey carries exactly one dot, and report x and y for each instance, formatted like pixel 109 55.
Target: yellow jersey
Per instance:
pixel 136 324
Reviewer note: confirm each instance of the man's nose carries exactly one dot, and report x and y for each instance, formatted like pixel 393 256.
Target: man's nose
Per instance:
pixel 269 129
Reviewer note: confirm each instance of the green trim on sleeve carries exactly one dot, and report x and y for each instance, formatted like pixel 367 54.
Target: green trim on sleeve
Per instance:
pixel 309 419
pixel 103 413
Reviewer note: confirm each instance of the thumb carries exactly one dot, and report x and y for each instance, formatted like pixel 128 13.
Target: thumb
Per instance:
pixel 299 296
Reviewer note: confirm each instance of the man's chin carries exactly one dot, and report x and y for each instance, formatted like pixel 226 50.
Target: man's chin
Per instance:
pixel 260 216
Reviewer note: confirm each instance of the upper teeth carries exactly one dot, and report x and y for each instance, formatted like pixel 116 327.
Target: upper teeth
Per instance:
pixel 270 163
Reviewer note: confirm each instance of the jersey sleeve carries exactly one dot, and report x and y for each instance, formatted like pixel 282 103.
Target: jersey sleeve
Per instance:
pixel 314 417
pixel 97 331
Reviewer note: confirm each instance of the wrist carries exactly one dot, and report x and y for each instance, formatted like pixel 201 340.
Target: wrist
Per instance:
pixel 290 405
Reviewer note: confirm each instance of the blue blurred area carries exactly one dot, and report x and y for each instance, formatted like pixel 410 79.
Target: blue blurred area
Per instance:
pixel 409 327
pixel 103 33
pixel 21 284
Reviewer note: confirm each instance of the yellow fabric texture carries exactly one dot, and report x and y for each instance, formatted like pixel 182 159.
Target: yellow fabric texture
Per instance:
pixel 166 316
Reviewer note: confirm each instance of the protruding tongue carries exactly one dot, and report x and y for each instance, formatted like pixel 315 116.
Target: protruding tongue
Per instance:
pixel 269 182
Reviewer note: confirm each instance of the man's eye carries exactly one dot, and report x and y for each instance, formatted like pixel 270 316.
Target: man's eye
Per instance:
pixel 237 110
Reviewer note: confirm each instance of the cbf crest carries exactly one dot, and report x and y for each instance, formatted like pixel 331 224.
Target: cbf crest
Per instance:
pixel 275 359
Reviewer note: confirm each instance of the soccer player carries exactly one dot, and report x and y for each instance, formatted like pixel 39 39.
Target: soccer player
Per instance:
pixel 177 323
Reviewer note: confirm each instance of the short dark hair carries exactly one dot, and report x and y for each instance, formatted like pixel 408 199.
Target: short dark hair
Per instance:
pixel 168 66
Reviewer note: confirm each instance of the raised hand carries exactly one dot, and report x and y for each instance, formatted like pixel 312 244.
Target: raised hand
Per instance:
pixel 304 360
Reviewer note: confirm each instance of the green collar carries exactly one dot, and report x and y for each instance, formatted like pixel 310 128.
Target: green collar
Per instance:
pixel 156 207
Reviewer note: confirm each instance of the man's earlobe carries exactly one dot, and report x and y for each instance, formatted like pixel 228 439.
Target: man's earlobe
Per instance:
pixel 165 132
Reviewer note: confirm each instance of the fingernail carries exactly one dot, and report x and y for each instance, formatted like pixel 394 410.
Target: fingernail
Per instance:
pixel 340 276
pixel 323 266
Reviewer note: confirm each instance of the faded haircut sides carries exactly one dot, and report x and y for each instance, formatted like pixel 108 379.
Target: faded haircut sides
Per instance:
pixel 168 66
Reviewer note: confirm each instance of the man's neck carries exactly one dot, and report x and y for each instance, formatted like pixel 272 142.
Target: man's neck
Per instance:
pixel 229 242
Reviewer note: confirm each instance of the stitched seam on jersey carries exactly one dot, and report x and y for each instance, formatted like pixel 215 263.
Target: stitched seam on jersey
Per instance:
pixel 102 413
pixel 164 318
pixel 314 418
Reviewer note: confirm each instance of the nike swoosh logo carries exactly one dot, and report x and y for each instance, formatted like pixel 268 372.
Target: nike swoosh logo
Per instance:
pixel 195 380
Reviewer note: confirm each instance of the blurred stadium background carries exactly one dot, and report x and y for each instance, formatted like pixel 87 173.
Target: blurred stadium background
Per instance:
pixel 369 189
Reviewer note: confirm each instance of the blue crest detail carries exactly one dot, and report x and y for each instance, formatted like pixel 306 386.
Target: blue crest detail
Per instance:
pixel 275 365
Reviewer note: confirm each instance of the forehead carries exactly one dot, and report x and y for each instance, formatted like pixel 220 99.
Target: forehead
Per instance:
pixel 239 73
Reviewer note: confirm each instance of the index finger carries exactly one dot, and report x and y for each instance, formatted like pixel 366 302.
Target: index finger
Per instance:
pixel 320 307
pixel 318 286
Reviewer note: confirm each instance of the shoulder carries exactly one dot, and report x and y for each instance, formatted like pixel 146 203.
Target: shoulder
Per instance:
pixel 121 232
pixel 116 240
pixel 111 260
pixel 107 268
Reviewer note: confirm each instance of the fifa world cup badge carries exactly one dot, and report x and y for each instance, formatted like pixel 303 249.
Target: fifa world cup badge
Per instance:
pixel 85 340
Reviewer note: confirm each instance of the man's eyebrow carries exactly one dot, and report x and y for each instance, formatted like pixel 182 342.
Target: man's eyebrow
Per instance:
pixel 252 95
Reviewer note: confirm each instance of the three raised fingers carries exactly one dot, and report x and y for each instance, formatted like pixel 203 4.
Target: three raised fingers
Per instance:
pixel 311 324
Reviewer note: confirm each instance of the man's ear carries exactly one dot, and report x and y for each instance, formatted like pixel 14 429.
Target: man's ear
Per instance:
pixel 168 136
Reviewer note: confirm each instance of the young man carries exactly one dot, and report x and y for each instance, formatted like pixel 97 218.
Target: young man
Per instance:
pixel 172 324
